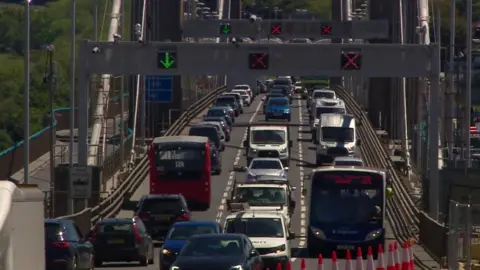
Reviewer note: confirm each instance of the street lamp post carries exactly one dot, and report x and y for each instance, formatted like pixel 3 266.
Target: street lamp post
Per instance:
pixel 26 98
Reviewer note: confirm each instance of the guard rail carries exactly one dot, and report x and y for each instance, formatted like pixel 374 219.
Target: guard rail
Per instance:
pixel 401 210
pixel 112 205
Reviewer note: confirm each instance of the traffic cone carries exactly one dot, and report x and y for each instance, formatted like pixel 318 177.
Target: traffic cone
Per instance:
pixel 370 263
pixel 412 259
pixel 320 262
pixel 334 261
pixel 348 260
pixel 405 257
pixel 279 266
pixel 396 256
pixel 289 265
pixel 359 259
pixel 380 260
pixel 303 265
pixel 391 260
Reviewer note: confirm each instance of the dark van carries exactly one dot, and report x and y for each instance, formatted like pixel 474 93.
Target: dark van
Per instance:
pixel 207 131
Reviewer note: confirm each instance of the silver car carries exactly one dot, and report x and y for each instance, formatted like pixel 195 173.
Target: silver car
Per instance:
pixel 265 166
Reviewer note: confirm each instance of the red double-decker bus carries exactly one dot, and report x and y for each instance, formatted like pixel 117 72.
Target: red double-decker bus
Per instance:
pixel 181 165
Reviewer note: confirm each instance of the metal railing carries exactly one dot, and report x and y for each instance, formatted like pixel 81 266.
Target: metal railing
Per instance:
pixel 112 205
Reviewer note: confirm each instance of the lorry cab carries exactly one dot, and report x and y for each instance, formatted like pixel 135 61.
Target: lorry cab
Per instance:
pixel 335 137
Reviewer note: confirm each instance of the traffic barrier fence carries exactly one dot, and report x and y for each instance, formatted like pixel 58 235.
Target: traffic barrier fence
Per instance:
pixel 112 205
pixel 401 210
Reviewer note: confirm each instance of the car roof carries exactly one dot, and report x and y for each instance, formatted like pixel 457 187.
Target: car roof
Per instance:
pixel 352 168
pixel 162 196
pixel 198 125
pixel 278 98
pixel 266 158
pixel 323 90
pixel 218 108
pixel 347 159
pixel 254 214
pixel 116 220
pixel 194 223
pixel 182 138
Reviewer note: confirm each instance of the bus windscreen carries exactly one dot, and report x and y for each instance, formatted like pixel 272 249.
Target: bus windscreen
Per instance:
pixel 179 162
pixel 347 198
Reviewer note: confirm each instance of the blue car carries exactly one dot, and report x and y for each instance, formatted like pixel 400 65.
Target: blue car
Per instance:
pixel 178 236
pixel 278 108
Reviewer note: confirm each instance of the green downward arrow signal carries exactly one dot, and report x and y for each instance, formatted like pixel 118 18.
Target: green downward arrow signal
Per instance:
pixel 226 29
pixel 168 61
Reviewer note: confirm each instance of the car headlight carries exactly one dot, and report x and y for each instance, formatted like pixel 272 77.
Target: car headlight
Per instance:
pixel 286 111
pixel 250 176
pixel 318 233
pixel 166 251
pixel 173 267
pixel 324 147
pixel 236 267
pixel 373 235
pixel 283 150
pixel 280 248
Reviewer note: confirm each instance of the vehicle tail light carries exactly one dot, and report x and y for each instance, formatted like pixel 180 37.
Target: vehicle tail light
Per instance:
pixel 136 234
pixel 93 235
pixel 61 244
pixel 184 216
pixel 143 216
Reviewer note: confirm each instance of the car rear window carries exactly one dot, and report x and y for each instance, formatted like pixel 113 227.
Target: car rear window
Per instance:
pixel 162 205
pixel 123 227
pixel 52 232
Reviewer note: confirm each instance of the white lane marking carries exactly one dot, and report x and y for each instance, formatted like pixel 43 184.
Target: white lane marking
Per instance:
pixel 303 209
pixel 222 206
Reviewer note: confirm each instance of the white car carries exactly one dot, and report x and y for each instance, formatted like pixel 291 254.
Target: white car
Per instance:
pixel 266 166
pixel 247 99
pixel 245 87
pixel 347 161
pixel 267 231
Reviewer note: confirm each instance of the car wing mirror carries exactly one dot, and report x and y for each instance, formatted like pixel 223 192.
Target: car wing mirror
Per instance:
pixel 293 188
pixel 291 236
pixel 304 192
pixel 286 169
pixel 245 143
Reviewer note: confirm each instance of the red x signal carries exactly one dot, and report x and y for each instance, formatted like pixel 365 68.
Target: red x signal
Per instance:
pixel 326 29
pixel 351 60
pixel 276 29
pixel 259 60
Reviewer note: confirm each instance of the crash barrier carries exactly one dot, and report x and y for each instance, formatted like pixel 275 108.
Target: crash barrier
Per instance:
pixel 112 205
pixel 401 210
pixel 394 258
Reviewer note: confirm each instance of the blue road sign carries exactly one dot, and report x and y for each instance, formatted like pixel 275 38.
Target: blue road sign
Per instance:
pixel 159 89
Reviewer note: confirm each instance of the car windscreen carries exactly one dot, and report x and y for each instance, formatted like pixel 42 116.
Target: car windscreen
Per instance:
pixel 281 82
pixel 161 206
pixel 256 227
pixel 178 157
pixel 184 232
pixel 222 101
pixel 212 247
pixel 241 92
pixel 241 87
pixel 347 163
pixel 359 195
pixel 321 110
pixel 265 164
pixel 278 102
pixel 210 132
pixel 261 196
pixel 338 134
pixel 323 94
pixel 216 112
pixel 268 136
pixel 235 96
pixel 53 232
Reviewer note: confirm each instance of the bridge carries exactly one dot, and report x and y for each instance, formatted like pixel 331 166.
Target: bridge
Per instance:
pixel 389 100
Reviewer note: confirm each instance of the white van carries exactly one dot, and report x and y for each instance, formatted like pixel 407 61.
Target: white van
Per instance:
pixel 265 140
pixel 321 106
pixel 335 137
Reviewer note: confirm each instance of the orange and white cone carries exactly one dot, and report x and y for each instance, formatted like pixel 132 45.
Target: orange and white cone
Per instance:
pixel 391 259
pixel 320 262
pixel 380 260
pixel 406 256
pixel 412 259
pixel 303 265
pixel 396 256
pixel 370 263
pixel 348 260
pixel 334 261
pixel 359 265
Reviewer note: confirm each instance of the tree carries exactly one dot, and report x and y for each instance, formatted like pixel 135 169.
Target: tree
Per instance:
pixel 50 24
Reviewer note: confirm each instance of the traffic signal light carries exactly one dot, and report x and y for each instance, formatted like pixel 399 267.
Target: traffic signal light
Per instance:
pixel 351 60
pixel 276 29
pixel 258 60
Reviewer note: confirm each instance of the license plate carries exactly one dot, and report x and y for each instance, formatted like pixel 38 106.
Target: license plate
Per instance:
pixel 116 241
pixel 162 217
pixel 345 247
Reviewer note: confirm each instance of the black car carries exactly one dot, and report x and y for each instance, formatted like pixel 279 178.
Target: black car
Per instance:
pixel 65 247
pixel 215 160
pixel 159 211
pixel 122 240
pixel 207 131
pixel 285 90
pixel 218 251
pixel 229 101
pixel 219 112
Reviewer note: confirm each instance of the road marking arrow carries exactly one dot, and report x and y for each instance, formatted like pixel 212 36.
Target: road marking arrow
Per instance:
pixel 168 61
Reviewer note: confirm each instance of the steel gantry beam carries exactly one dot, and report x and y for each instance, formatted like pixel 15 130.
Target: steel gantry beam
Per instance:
pixel 288 29
pixel 367 60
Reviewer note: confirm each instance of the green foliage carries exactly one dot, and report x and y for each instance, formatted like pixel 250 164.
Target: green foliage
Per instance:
pixel 49 25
